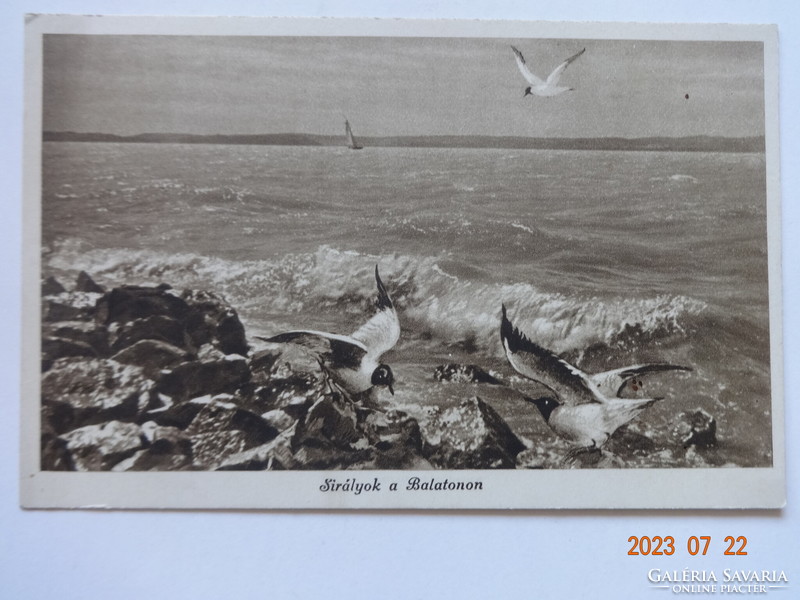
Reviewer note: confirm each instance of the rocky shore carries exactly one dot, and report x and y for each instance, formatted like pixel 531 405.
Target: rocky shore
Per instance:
pixel 151 378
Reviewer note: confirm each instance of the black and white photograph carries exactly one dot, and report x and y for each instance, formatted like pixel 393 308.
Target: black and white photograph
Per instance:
pixel 372 264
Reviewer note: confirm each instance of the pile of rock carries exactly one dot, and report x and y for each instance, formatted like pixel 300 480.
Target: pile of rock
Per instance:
pixel 457 373
pixel 148 378
pixel 695 428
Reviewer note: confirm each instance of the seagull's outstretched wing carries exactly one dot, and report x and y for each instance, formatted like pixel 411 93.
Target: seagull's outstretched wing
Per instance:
pixel 381 332
pixel 339 351
pixel 523 68
pixel 611 383
pixel 570 385
pixel 553 78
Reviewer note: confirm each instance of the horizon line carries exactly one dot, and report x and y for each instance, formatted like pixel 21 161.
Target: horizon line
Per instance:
pixel 695 143
pixel 400 136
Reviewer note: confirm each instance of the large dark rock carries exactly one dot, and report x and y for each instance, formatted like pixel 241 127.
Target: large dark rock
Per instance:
pixel 55 454
pixel 279 419
pixel 396 441
pixel 167 449
pixel 128 303
pixel 54 348
pixel 152 460
pixel 263 362
pixel 469 436
pixel 222 429
pixel 161 328
pixel 100 447
pixel 338 434
pixel 542 456
pixel 286 377
pixel 51 287
pixel 196 378
pixel 86 332
pixel 72 338
pixel 330 436
pixel 189 320
pixel 165 440
pixel 85 283
pixel 393 428
pixel 97 390
pixel 314 458
pixel 210 450
pixel 330 423
pixel 70 306
pixel 209 353
pixel 153 356
pixel 457 373
pixel 626 442
pixel 57 418
pixel 222 413
pixel 275 455
pixel 176 414
pixel 295 395
pixel 696 428
pixel 210 319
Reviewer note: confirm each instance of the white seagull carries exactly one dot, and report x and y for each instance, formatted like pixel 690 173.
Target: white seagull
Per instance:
pixel 538 87
pixel 353 361
pixel 581 408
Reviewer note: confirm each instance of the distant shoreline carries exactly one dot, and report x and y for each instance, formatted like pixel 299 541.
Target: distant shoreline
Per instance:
pixel 699 143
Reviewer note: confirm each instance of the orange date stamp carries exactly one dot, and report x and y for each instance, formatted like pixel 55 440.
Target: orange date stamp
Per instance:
pixel 695 545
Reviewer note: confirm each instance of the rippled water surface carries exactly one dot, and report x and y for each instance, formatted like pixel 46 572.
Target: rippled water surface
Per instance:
pixel 608 258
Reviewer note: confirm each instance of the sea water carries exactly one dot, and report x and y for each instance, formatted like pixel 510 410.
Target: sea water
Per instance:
pixel 608 258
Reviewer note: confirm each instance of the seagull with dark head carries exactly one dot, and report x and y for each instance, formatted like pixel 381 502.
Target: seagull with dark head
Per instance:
pixel 539 87
pixel 353 361
pixel 581 408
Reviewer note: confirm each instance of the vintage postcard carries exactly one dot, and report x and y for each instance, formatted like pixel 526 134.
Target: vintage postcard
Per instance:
pixel 359 264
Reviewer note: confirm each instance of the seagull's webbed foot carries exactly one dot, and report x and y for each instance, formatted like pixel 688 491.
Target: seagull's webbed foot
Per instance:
pixel 593 456
pixel 332 387
pixel 584 456
pixel 576 453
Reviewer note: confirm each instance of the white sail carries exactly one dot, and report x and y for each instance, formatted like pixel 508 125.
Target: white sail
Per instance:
pixel 351 140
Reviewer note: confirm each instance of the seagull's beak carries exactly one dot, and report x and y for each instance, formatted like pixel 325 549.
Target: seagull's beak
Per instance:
pixel 391 389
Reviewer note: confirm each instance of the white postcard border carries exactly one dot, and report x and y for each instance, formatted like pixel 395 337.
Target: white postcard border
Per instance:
pixel 502 489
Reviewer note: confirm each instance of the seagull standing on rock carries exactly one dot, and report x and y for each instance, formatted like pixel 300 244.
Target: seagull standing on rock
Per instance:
pixel 353 361
pixel 581 408
pixel 538 87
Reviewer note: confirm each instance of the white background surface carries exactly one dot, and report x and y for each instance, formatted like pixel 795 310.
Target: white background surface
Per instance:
pixel 243 555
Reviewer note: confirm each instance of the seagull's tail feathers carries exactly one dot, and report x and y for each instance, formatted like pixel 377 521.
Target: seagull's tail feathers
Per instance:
pixel 507 330
pixel 383 301
pixel 620 411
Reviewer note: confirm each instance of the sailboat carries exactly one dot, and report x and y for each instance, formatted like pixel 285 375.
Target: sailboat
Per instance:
pixel 351 140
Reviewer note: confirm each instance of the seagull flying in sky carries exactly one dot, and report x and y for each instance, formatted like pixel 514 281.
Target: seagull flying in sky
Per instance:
pixel 538 87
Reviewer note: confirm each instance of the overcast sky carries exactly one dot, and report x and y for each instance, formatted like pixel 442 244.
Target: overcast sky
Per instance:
pixel 398 86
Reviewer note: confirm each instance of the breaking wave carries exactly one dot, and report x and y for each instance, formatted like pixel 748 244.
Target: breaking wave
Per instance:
pixel 436 298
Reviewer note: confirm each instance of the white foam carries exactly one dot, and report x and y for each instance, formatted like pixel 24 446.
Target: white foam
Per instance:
pixel 330 283
pixel 523 227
